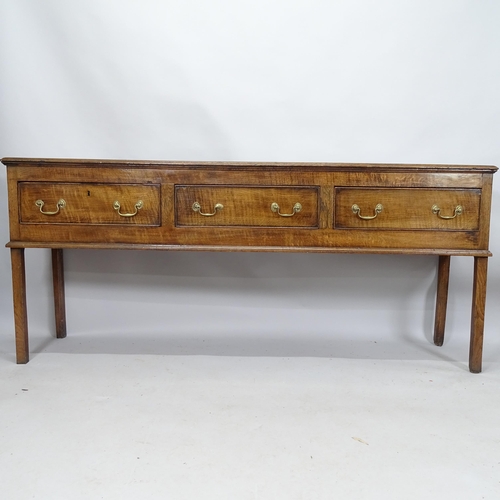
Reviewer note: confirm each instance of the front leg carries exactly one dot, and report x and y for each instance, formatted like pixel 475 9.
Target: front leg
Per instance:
pixel 19 298
pixel 477 317
pixel 443 279
pixel 59 299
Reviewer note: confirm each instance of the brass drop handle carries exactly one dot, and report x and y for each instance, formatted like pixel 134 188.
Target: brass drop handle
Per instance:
pixel 356 210
pixel 137 206
pixel 197 208
pixel 295 210
pixel 459 210
pixel 60 204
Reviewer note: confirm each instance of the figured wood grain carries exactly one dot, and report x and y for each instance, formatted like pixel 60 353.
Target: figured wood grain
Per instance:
pixel 237 236
pixel 410 179
pixel 89 203
pixel 408 208
pixel 293 175
pixel 246 206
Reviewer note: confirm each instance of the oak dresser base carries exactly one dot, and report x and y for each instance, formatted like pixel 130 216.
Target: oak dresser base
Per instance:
pixel 441 210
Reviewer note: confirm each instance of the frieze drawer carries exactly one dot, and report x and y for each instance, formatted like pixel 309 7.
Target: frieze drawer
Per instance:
pixel 73 203
pixel 375 208
pixel 246 206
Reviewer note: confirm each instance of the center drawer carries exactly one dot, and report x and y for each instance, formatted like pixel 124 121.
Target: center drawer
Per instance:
pixel 271 206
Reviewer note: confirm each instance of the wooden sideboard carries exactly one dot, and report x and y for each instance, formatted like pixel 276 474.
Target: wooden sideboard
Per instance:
pixel 442 210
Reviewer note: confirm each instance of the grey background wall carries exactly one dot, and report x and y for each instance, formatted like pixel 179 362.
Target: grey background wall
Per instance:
pixel 386 81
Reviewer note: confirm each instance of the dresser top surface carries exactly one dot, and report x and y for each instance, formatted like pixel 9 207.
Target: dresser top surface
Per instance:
pixel 244 165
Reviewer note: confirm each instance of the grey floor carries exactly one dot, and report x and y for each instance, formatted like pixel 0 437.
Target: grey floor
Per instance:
pixel 83 421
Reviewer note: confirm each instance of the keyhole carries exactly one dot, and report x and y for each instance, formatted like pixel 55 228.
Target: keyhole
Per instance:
pixel 88 193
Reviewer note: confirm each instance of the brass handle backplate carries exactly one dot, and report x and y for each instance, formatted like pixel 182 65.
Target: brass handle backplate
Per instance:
pixel 197 208
pixel 137 206
pixel 295 210
pixel 60 204
pixel 356 210
pixel 459 210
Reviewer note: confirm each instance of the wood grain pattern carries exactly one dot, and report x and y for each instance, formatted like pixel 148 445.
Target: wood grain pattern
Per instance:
pixel 89 203
pixel 408 208
pixel 246 206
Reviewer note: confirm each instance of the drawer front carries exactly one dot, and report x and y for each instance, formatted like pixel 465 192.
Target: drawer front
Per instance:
pixel 443 209
pixel 246 206
pixel 71 203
